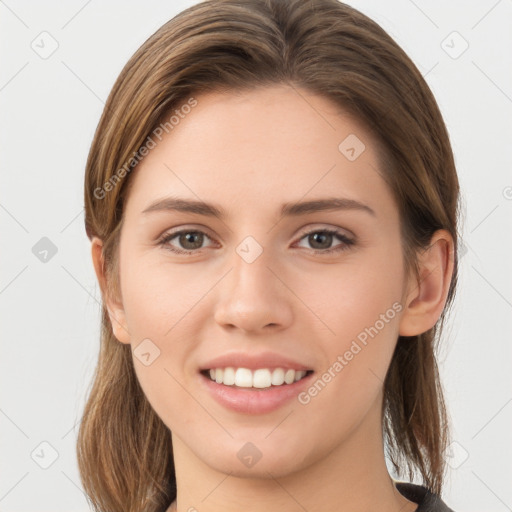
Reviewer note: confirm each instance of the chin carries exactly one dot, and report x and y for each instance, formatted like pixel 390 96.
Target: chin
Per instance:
pixel 261 460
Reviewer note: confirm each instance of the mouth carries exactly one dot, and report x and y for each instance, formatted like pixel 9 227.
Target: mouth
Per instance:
pixel 254 383
pixel 260 378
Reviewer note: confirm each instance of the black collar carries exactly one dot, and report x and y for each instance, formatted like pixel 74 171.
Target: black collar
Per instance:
pixel 427 501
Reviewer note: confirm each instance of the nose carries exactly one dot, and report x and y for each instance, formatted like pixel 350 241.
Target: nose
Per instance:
pixel 253 298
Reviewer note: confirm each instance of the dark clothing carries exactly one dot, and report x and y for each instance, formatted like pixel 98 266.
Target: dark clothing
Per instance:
pixel 427 502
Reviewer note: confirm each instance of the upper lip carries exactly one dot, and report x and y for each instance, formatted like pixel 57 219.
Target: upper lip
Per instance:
pixel 269 360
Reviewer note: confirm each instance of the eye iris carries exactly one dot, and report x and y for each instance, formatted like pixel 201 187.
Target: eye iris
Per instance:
pixel 189 238
pixel 320 238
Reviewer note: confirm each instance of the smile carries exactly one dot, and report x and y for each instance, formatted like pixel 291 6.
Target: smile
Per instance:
pixel 260 378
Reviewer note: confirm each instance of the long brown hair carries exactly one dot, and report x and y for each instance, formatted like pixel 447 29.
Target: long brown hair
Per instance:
pixel 124 449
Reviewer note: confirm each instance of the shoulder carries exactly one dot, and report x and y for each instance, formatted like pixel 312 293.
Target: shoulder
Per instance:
pixel 426 500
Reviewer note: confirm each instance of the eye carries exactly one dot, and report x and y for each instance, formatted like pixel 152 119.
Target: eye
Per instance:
pixel 321 240
pixel 189 240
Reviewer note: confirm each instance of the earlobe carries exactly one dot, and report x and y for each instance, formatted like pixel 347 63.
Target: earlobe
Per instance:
pixel 425 299
pixel 113 304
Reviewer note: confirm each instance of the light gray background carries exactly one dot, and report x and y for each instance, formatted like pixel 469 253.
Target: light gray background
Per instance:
pixel 50 310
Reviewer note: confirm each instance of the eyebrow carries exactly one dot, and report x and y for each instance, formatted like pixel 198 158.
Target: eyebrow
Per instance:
pixel 287 209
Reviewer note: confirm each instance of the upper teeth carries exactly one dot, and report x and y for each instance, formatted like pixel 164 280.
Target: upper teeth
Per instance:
pixel 261 378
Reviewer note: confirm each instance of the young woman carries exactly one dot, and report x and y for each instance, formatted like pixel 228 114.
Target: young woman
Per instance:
pixel 272 202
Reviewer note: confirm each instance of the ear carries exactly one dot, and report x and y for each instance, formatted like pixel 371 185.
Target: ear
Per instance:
pixel 113 304
pixel 426 298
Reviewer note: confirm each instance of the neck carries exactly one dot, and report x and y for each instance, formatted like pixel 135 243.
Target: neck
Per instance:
pixel 352 478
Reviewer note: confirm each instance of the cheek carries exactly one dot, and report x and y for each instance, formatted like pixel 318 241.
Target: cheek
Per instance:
pixel 157 296
pixel 352 296
pixel 361 305
pixel 162 304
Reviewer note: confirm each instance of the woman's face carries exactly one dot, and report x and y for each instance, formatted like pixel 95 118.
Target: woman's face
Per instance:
pixel 263 290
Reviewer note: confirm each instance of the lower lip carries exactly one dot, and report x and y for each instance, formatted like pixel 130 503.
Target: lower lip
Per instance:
pixel 253 400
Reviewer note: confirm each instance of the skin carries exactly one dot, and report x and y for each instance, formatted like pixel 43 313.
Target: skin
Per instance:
pixel 249 153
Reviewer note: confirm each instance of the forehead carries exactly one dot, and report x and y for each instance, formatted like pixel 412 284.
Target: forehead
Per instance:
pixel 274 144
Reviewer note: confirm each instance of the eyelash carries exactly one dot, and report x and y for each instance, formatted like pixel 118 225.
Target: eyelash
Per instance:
pixel 347 242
